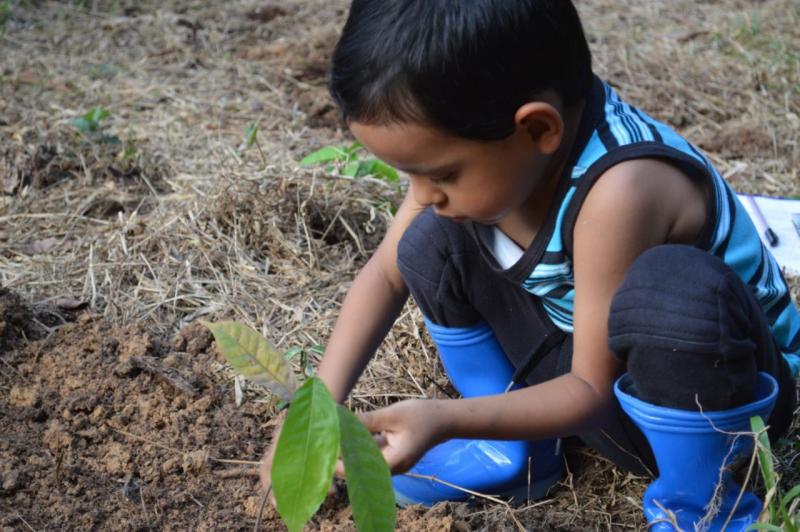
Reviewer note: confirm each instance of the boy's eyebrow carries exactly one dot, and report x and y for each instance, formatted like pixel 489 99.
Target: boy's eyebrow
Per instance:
pixel 423 169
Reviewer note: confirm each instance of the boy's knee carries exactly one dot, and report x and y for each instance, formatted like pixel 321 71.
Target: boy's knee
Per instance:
pixel 677 297
pixel 683 322
pixel 431 256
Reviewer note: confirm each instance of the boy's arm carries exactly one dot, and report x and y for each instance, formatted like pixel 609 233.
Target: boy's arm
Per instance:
pixel 634 206
pixel 369 309
pixel 372 304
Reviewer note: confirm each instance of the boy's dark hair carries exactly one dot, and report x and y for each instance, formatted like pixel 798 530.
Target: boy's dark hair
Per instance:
pixel 464 66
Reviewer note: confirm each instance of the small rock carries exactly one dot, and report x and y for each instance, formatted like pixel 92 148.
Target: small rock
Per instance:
pixel 97 414
pixel 172 465
pixel 116 458
pixel 13 481
pixel 194 461
pixel 132 489
pixel 56 437
pixel 204 403
pixel 23 396
pixel 83 402
pixel 125 369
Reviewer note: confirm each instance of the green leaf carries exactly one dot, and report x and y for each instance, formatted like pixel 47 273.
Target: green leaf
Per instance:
pixel 763 449
pixel 369 482
pixel 90 122
pixel 764 452
pixel 318 349
pixel 251 135
pixel 110 139
pixel 385 171
pixel 305 457
pixel 253 357
pixel 365 168
pixel 765 526
pixel 81 124
pixel 95 116
pixel 351 169
pixel 292 352
pixel 354 147
pixel 791 495
pixel 323 155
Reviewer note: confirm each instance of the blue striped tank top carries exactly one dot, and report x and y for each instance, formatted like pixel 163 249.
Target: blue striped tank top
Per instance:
pixel 613 131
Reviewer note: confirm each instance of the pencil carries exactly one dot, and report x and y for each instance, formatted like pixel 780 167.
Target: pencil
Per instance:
pixel 770 235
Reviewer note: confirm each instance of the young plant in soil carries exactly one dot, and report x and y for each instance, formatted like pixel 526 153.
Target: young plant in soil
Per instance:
pixel 315 431
pixel 349 161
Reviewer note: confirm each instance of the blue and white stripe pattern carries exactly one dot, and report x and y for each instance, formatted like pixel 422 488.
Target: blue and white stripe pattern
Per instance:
pixel 624 132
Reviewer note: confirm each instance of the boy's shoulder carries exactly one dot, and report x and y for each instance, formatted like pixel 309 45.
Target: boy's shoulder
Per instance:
pixel 649 192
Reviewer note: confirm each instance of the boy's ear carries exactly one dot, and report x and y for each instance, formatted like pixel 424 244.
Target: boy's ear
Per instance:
pixel 543 123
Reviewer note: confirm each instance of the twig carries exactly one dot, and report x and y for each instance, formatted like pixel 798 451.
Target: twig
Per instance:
pixel 744 485
pixel 241 462
pixel 261 505
pixel 178 451
pixel 473 493
pixel 24 521
pixel 164 373
pixel 151 442
pixel 671 519
pixel 198 503
pixel 237 472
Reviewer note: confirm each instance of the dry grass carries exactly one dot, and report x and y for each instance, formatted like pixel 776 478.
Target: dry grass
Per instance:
pixel 189 225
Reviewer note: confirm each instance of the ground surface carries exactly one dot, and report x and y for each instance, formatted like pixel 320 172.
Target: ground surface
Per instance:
pixel 116 412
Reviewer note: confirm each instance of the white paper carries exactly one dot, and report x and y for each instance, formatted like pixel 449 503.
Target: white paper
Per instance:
pixel 778 214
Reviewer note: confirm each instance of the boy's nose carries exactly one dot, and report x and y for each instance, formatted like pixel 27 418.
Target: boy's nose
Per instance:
pixel 425 193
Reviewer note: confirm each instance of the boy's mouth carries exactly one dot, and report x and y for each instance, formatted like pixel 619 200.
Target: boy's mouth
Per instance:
pixel 457 219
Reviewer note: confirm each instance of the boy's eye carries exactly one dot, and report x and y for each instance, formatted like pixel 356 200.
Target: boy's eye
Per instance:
pixel 443 179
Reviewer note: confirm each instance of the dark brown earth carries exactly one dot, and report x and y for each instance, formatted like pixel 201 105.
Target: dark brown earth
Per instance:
pixel 116 412
pixel 115 428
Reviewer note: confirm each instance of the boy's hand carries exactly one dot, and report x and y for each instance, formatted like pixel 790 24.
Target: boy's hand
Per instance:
pixel 407 430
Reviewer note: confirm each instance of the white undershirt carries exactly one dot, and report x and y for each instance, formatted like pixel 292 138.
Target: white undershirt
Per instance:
pixel 506 252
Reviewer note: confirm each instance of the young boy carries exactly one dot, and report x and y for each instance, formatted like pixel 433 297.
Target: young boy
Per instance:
pixel 588 239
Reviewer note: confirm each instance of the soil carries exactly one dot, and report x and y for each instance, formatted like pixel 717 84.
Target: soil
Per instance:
pixel 116 411
pixel 114 428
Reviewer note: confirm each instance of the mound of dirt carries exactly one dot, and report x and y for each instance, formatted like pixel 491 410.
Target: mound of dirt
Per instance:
pixel 114 428
pixel 278 222
pixel 108 425
pixel 42 161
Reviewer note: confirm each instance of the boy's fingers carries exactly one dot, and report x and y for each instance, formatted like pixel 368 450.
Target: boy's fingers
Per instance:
pixel 368 419
pixel 377 420
pixel 380 440
pixel 339 472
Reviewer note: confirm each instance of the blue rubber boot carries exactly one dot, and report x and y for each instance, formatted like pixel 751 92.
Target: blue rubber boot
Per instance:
pixel 477 366
pixel 693 451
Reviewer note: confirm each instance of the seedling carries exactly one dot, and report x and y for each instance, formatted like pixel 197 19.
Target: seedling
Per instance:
pixel 250 139
pixel 305 355
pixel 5 14
pixel 312 435
pixel 349 161
pixel 782 513
pixel 90 125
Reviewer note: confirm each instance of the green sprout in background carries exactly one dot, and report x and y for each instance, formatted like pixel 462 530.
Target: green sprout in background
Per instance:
pixel 251 139
pixel 90 125
pixel 5 14
pixel 349 161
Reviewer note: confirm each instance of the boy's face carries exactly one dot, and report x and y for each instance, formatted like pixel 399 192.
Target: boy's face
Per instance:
pixel 462 179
